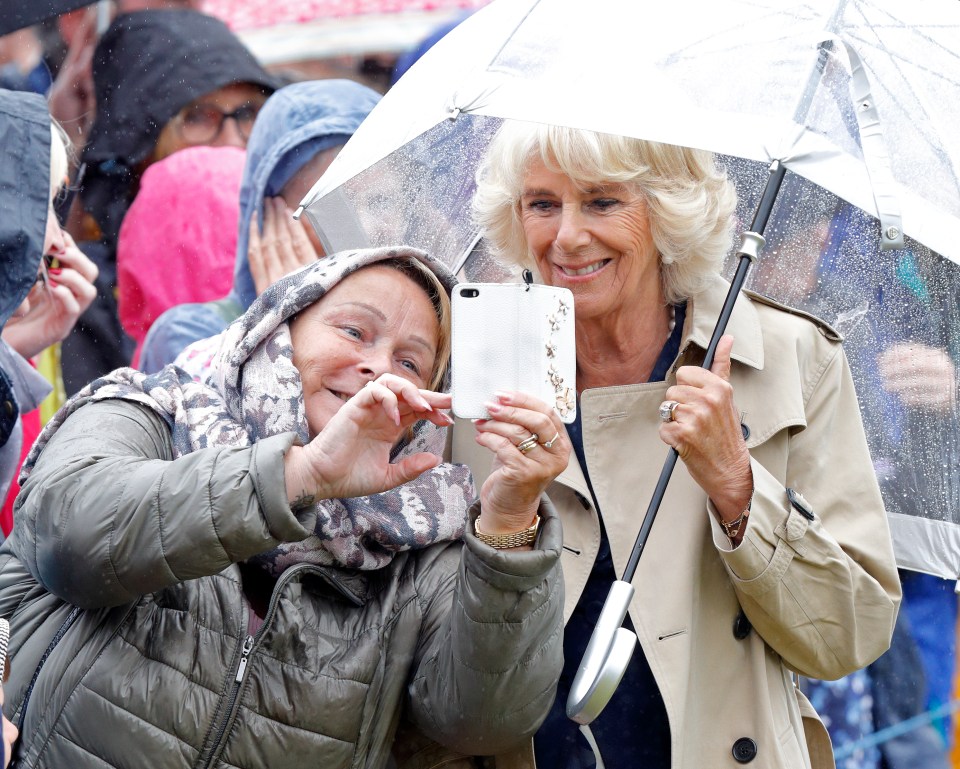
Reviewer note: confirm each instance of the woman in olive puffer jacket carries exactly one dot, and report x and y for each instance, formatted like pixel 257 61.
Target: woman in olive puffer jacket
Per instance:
pixel 213 590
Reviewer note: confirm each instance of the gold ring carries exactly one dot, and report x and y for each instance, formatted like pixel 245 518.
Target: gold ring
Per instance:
pixel 549 444
pixel 528 443
pixel 668 411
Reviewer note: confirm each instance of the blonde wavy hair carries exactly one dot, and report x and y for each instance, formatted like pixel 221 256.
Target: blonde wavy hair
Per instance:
pixel 690 201
pixel 59 158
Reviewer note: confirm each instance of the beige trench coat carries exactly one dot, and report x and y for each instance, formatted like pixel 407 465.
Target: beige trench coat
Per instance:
pixel 821 595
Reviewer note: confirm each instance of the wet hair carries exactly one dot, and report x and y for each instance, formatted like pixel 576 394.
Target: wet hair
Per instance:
pixel 424 277
pixel 690 201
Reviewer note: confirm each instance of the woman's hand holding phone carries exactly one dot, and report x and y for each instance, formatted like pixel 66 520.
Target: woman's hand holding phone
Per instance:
pixel 530 448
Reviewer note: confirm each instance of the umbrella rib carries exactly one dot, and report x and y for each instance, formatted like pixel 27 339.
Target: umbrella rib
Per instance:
pixel 928 132
pixel 508 38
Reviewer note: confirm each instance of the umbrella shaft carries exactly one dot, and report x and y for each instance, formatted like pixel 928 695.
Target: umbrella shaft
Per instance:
pixel 760 218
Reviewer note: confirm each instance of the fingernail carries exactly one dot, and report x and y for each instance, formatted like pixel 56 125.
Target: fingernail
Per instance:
pixel 425 405
pixel 447 419
pixel 54 270
pixel 502 396
pixel 493 408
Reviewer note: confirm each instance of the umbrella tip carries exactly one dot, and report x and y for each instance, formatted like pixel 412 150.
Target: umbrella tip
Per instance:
pixel 296 214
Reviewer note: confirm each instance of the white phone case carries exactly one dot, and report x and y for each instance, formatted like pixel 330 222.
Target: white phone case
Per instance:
pixel 513 336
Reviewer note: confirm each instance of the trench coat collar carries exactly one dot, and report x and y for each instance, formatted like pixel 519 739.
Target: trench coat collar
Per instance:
pixel 703 309
pixel 744 324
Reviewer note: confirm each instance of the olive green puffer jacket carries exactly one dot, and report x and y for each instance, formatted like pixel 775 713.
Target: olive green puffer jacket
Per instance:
pixel 167 666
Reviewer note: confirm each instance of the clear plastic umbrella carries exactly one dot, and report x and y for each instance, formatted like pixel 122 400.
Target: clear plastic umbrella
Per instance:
pixel 858 100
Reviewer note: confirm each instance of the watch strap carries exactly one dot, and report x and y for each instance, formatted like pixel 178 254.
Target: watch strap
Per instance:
pixel 504 541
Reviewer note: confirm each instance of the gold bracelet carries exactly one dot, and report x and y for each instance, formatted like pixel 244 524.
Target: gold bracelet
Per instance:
pixel 504 541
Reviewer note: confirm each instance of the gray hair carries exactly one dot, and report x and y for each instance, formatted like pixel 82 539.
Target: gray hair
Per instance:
pixel 689 198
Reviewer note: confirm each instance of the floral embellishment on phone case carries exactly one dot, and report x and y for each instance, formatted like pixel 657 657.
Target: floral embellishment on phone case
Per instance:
pixel 566 397
pixel 566 401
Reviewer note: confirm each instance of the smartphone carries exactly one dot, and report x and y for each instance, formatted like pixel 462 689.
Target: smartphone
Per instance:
pixel 513 336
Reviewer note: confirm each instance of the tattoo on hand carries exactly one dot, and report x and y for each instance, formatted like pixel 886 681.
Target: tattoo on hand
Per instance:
pixel 302 502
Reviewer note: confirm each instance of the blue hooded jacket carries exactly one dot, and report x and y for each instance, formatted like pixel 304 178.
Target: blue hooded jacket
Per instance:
pixel 296 123
pixel 24 202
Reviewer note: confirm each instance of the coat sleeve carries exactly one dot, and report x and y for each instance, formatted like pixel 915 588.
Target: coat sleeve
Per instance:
pixel 817 579
pixel 491 646
pixel 107 514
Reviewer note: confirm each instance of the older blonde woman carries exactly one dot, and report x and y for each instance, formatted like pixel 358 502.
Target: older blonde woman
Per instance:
pixel 743 579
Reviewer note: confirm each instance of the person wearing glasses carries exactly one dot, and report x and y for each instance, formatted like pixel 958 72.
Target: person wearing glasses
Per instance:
pixel 298 134
pixel 164 80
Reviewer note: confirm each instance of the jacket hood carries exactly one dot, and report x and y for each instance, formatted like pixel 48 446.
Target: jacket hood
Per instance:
pixel 193 261
pixel 296 123
pixel 24 194
pixel 146 68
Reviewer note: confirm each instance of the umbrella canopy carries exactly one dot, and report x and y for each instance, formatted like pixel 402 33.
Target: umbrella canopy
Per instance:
pixel 858 99
pixel 17 14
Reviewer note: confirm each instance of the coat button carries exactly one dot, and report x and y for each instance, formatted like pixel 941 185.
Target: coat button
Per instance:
pixel 744 750
pixel 745 429
pixel 8 408
pixel 741 626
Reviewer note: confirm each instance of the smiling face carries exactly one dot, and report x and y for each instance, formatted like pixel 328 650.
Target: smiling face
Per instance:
pixel 593 239
pixel 375 321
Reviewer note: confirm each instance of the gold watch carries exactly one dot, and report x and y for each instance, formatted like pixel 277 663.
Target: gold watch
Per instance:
pixel 504 541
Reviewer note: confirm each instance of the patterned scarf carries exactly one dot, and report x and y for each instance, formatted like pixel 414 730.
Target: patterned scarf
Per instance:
pixel 254 391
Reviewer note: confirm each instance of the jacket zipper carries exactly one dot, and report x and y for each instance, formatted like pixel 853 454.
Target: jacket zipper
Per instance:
pixel 72 617
pixel 250 643
pixel 17 747
pixel 244 656
pixel 57 637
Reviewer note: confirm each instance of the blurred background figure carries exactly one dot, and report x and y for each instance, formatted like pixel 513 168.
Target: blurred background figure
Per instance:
pixel 46 281
pixel 164 80
pixel 22 62
pixel 177 241
pixel 296 136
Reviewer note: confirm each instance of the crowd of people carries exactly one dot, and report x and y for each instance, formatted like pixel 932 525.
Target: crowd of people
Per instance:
pixel 248 532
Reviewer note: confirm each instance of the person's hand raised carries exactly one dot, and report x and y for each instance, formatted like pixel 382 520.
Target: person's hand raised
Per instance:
pixel 351 455
pixel 705 431
pixel 923 377
pixel 282 248
pixel 530 448
pixel 55 310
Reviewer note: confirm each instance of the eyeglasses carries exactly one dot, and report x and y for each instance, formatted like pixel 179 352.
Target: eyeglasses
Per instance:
pixel 202 123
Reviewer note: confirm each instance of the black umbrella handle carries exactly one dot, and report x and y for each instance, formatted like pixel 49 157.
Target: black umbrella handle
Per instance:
pixel 749 250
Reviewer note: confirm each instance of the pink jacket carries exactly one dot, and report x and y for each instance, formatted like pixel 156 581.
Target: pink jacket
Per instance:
pixel 178 240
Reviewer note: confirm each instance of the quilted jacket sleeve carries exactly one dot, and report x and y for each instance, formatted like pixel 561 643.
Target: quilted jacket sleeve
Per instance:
pixel 491 646
pixel 818 579
pixel 108 515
